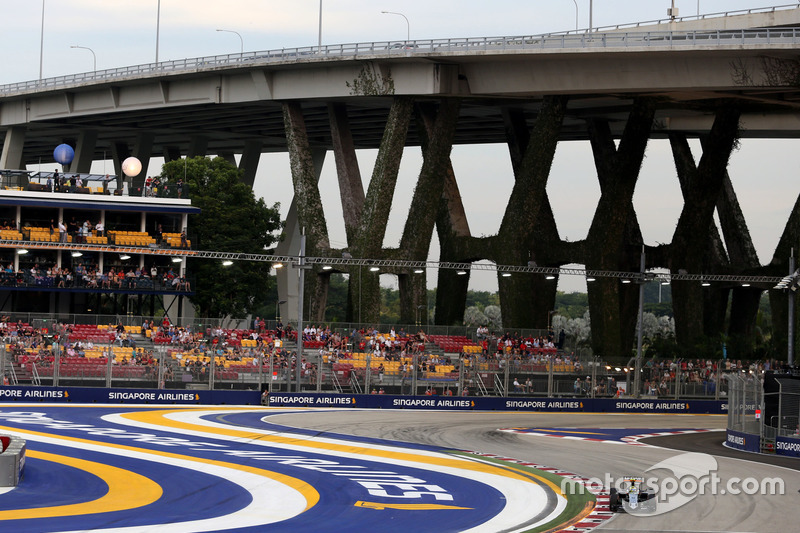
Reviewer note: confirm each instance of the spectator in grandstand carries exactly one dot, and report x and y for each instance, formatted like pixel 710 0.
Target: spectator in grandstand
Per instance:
pixel 577 387
pixel 62 231
pixel 130 278
pixel 83 232
pixel 100 228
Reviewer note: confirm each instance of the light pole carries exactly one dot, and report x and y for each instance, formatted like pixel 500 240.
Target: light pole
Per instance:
pixel 241 41
pixel 41 45
pixel 94 56
pixel 158 27
pixel 576 14
pixel 319 39
pixel 408 25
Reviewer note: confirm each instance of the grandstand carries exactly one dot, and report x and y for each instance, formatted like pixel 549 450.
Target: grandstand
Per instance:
pixel 46 270
pixel 183 356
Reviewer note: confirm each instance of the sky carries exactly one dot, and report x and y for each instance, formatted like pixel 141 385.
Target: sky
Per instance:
pixel 123 33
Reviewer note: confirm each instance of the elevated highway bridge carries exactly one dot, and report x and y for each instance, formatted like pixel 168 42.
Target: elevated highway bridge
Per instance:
pixel 719 78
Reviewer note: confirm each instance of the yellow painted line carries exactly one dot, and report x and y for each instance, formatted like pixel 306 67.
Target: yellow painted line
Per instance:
pixel 159 418
pixel 126 490
pixel 407 506
pixel 309 493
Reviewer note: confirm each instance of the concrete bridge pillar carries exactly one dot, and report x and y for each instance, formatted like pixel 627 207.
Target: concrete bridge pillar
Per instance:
pixel 692 239
pixel 84 151
pixel 12 156
pixel 364 288
pixel 249 161
pixel 308 201
pixel 514 241
pixel 541 297
pixel 614 238
pixel 437 127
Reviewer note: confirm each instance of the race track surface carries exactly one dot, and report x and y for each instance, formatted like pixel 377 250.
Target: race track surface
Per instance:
pixel 705 513
pixel 142 469
pixel 147 468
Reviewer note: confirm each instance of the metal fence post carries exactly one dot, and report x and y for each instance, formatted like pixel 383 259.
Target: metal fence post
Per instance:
pixel 507 373
pixel 368 373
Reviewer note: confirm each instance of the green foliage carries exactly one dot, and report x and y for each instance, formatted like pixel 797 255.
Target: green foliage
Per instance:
pixel 572 304
pixel 662 348
pixel 231 220
pixel 482 299
pixel 390 306
pixel 336 310
pixel 371 82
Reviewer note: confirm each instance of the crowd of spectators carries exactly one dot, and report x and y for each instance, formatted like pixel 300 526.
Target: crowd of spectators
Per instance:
pixel 194 349
pixel 92 277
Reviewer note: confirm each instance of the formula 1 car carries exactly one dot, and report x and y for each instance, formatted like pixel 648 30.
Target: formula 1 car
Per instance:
pixel 631 496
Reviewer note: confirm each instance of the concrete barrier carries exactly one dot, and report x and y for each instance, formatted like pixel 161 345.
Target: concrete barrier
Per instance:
pixel 12 461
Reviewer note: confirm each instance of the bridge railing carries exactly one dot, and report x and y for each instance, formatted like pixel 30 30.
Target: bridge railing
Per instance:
pixel 686 18
pixel 550 42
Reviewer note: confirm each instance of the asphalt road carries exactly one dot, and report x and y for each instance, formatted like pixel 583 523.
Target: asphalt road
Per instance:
pixel 709 512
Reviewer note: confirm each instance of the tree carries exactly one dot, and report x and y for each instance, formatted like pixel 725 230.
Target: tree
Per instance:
pixel 231 220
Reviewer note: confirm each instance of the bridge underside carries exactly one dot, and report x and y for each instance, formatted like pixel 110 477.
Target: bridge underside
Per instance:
pixel 530 106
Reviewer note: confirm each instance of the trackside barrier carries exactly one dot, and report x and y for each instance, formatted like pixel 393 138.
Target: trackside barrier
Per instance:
pixel 12 461
pixel 578 405
pixel 364 401
pixel 787 446
pixel 139 396
pixel 748 442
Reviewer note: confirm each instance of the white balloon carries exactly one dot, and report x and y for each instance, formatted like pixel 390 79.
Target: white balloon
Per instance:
pixel 131 167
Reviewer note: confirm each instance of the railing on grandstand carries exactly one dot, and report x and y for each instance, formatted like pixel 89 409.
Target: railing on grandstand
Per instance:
pixel 145 284
pixel 337 386
pixel 92 184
